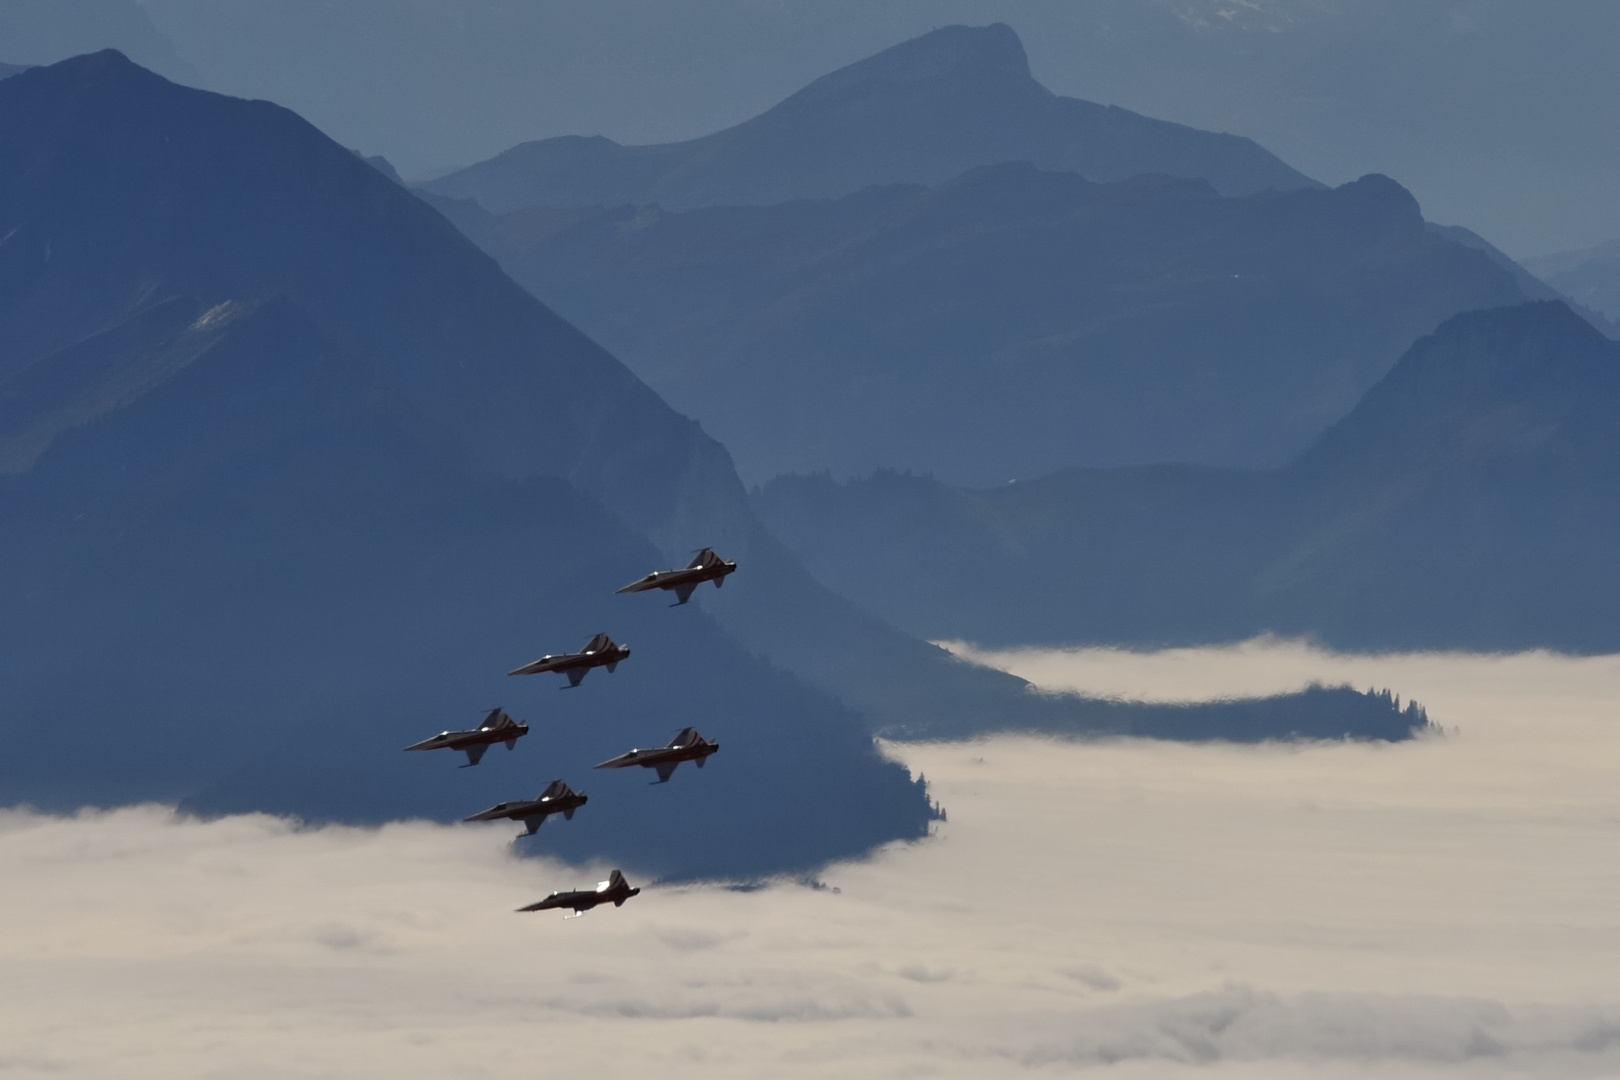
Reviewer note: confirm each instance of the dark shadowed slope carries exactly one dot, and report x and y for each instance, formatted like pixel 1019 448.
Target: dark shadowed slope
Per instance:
pixel 8 70
pixel 920 112
pixel 119 190
pixel 285 474
pixel 1009 322
pixel 1471 500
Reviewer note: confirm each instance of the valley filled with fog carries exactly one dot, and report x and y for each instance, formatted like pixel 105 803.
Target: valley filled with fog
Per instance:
pixel 1129 908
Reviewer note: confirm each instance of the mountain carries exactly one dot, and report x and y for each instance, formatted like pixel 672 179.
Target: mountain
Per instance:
pixel 1468 501
pixel 8 70
pixel 1009 322
pixel 291 474
pixel 1590 276
pixel 920 112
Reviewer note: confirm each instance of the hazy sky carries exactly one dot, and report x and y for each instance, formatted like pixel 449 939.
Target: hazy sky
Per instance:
pixel 1443 908
pixel 1497 113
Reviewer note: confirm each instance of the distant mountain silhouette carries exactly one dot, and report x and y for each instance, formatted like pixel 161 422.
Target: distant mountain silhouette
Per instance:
pixel 1590 276
pixel 920 112
pixel 1470 500
pixel 8 70
pixel 1009 322
pixel 290 474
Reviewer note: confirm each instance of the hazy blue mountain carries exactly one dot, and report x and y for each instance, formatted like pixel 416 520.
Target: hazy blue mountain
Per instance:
pixel 290 474
pixel 1533 287
pixel 1590 276
pixel 920 112
pixel 1470 500
pixel 1009 322
pixel 8 70
pixel 293 474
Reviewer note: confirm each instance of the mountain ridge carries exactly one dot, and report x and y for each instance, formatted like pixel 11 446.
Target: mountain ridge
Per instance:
pixel 1009 321
pixel 920 111
pixel 1466 502
pixel 293 474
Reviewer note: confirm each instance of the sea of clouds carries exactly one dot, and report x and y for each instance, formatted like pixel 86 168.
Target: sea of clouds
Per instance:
pixel 1445 907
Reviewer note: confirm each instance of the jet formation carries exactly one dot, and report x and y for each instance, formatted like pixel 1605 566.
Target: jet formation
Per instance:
pixel 686 746
pixel 706 567
pixel 496 727
pixel 558 797
pixel 600 651
pixel 614 890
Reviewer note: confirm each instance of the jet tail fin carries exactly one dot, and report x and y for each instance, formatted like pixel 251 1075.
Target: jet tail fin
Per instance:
pixel 498 720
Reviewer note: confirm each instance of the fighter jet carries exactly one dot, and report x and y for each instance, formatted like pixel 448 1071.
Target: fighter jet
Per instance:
pixel 706 567
pixel 600 651
pixel 687 746
pixel 614 889
pixel 558 798
pixel 496 727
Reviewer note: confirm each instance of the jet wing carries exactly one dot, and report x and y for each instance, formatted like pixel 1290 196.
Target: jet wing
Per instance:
pixel 665 770
pixel 684 590
pixel 575 675
pixel 475 754
pixel 533 824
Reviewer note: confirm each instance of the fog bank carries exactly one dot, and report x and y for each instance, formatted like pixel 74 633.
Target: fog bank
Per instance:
pixel 1439 908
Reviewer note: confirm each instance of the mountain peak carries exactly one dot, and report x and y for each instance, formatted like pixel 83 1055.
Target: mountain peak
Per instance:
pixel 1502 381
pixel 1517 351
pixel 979 55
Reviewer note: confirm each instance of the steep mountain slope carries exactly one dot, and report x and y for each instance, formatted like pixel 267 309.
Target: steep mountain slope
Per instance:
pixel 290 474
pixel 1009 322
pixel 119 189
pixel 8 70
pixel 257 573
pixel 920 112
pixel 1469 500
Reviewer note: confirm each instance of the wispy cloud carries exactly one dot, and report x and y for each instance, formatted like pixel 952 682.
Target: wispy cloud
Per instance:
pixel 1121 908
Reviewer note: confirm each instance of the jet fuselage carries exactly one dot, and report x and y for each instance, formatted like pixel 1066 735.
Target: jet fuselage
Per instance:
pixel 687 746
pixel 706 567
pixel 559 798
pixel 615 890
pixel 496 728
pixel 600 651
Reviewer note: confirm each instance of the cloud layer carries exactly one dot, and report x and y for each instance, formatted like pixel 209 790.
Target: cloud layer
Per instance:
pixel 1441 908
